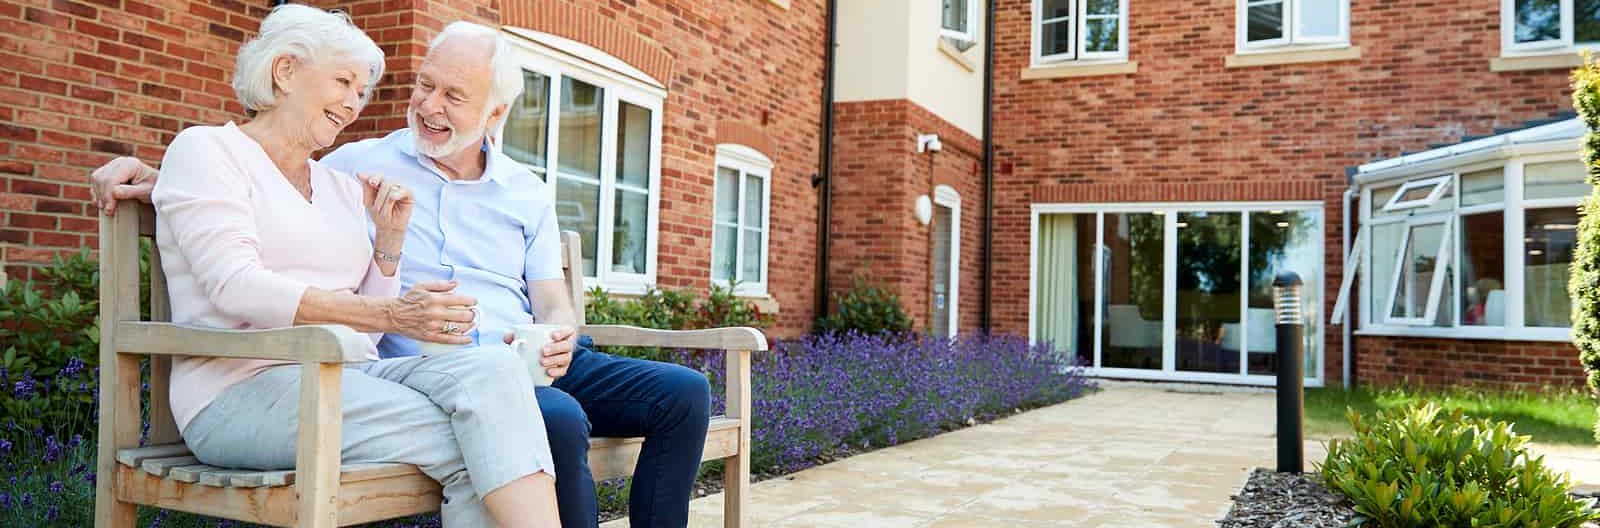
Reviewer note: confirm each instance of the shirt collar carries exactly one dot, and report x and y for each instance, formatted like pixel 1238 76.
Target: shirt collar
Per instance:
pixel 491 167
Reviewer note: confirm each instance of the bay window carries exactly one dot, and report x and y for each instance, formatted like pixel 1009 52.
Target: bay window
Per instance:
pixel 592 134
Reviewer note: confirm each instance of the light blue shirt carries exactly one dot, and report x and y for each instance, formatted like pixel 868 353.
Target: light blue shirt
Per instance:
pixel 492 235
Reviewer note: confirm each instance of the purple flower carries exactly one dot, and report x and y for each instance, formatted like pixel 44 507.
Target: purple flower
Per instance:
pixel 56 487
pixel 74 366
pixel 5 500
pixel 5 445
pixel 23 389
pixel 76 441
pixel 27 499
pixel 52 513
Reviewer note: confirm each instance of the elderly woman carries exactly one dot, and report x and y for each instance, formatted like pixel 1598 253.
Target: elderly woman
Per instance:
pixel 260 236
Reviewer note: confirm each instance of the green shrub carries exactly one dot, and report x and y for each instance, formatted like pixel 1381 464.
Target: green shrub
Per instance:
pixel 671 310
pixel 1584 284
pixel 51 347
pixel 1420 467
pixel 867 309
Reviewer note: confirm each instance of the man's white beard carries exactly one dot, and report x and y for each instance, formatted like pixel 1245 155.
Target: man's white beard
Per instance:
pixel 458 139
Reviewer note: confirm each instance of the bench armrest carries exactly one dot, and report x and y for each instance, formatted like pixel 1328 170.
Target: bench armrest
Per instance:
pixel 730 338
pixel 306 344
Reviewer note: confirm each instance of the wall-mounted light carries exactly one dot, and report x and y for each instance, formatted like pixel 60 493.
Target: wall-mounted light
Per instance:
pixel 929 143
pixel 923 209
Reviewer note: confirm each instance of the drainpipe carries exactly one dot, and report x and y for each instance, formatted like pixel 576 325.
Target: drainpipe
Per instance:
pixel 825 164
pixel 988 163
pixel 1349 196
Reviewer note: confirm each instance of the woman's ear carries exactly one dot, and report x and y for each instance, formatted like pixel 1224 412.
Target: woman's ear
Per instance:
pixel 283 69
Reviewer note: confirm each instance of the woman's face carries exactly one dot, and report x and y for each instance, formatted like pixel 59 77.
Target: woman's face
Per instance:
pixel 326 97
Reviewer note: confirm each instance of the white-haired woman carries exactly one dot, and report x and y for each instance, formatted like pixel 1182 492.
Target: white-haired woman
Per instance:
pixel 260 236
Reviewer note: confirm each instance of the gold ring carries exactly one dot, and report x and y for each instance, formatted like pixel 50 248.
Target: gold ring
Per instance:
pixel 450 328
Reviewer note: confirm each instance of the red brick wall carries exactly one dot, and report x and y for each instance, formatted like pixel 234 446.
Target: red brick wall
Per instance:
pixel 1447 361
pixel 1183 123
pixel 878 174
pixel 83 82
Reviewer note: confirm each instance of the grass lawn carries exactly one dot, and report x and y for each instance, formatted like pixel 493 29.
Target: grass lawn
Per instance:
pixel 1551 417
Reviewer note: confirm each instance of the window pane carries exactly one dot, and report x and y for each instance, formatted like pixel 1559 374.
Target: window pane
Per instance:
pixel 1385 248
pixel 527 130
pixel 629 236
pixel 633 145
pixel 1417 268
pixel 1279 241
pixel 1551 237
pixel 1586 20
pixel 1103 7
pixel 1101 34
pixel 1483 187
pixel 1483 268
pixel 1265 22
pixel 939 309
pixel 1133 282
pixel 1561 179
pixel 1055 9
pixel 1209 249
pixel 727 195
pixel 1055 38
pixel 753 215
pixel 577 209
pixel 1380 198
pixel 1538 20
pixel 955 15
pixel 1417 193
pixel 580 128
pixel 1320 18
pixel 724 244
pixel 1065 311
pixel 751 270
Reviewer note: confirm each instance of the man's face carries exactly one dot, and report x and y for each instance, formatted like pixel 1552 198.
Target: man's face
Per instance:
pixel 450 108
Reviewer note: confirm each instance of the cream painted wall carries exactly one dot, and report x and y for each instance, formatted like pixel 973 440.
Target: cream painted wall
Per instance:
pixel 870 62
pixel 889 49
pixel 936 81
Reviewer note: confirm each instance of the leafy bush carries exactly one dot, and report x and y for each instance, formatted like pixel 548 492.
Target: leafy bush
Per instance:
pixel 866 309
pixel 1584 284
pixel 51 348
pixel 1419 467
pixel 672 310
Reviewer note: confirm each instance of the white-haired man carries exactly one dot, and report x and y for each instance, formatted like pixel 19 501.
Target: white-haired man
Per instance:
pixel 473 204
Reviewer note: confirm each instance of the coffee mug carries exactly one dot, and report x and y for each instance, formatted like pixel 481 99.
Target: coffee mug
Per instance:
pixel 428 348
pixel 529 343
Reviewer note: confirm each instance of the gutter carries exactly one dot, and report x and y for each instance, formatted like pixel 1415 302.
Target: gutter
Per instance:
pixel 824 177
pixel 988 165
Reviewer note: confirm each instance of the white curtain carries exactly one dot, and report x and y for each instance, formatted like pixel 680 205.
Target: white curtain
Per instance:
pixel 1057 310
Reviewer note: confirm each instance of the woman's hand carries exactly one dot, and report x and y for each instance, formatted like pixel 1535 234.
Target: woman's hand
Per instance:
pixel 431 312
pixel 388 203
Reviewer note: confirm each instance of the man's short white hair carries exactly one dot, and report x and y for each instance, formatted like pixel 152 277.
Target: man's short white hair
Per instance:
pixel 507 81
pixel 308 35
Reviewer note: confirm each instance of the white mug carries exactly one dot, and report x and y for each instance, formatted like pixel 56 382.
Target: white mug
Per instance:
pixel 529 343
pixel 428 348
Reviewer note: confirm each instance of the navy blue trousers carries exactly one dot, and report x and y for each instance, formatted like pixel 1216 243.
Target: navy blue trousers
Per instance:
pixel 611 396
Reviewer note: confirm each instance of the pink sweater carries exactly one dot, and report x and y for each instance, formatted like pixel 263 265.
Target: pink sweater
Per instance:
pixel 240 246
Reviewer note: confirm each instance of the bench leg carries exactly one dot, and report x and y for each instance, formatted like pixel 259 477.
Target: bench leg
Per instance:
pixel 119 427
pixel 736 469
pixel 735 489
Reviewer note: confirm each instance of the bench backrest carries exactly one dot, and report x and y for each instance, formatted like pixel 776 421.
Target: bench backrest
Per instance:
pixel 119 257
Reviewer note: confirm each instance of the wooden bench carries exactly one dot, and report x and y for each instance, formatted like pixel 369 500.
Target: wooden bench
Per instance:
pixel 319 492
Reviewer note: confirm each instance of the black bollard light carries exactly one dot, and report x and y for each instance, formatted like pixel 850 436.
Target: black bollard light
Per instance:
pixel 1291 372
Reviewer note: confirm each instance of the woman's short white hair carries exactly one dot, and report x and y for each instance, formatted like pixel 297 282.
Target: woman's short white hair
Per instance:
pixel 507 82
pixel 309 35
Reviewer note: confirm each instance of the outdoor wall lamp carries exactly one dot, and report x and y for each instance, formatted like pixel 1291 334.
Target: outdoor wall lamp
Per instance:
pixel 923 209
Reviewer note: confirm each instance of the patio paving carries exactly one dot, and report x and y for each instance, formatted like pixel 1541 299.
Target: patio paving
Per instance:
pixel 1130 455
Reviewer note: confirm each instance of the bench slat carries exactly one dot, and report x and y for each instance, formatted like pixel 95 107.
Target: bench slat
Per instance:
pixel 133 457
pixel 160 466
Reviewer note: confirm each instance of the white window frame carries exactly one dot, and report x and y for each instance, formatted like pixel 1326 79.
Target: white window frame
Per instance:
pixel 1169 211
pixel 1291 39
pixel 1440 184
pixel 946 196
pixel 970 34
pixel 1508 33
pixel 1513 208
pixel 1441 268
pixel 556 58
pixel 749 162
pixel 1078 23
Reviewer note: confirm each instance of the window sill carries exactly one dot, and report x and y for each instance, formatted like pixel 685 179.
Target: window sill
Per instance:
pixel 1080 69
pixel 1291 56
pixel 1551 335
pixel 955 55
pixel 1565 59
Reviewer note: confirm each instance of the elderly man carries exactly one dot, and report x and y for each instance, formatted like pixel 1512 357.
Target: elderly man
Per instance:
pixel 473 204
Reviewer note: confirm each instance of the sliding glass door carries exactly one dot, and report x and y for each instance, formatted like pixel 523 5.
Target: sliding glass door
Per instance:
pixel 1179 291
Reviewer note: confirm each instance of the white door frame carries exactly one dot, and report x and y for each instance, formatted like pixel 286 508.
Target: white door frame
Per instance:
pixel 947 196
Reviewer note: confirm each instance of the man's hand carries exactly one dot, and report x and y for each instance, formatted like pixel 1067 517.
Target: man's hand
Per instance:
pixel 558 353
pixel 123 178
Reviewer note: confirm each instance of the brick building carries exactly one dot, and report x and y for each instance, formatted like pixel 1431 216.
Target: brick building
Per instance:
pixel 1154 164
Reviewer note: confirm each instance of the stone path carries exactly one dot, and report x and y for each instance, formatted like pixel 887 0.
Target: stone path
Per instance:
pixel 1134 455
